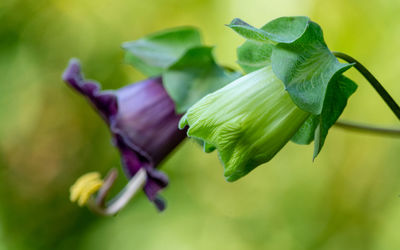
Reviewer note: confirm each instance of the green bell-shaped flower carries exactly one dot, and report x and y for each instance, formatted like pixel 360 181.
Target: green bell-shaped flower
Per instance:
pixel 248 121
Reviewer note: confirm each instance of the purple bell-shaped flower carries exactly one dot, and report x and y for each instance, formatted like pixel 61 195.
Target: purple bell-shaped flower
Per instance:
pixel 142 121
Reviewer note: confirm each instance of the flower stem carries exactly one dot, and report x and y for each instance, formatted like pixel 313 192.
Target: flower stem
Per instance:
pixel 368 128
pixel 112 207
pixel 373 81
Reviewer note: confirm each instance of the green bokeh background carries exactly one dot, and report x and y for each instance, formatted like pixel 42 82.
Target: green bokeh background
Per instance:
pixel 347 199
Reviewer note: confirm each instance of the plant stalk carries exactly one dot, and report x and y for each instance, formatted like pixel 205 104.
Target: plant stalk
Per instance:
pixel 373 81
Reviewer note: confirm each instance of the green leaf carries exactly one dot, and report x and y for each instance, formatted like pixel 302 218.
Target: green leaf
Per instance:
pixel 286 29
pixel 280 30
pixel 193 76
pixel 248 31
pixel 254 55
pixel 317 126
pixel 306 66
pixel 139 64
pixel 154 53
pixel 189 70
pixel 339 90
pixel 305 135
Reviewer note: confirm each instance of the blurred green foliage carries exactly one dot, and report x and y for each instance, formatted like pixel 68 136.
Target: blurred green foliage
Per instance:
pixel 49 136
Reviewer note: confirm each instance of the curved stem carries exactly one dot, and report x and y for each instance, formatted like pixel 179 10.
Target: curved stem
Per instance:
pixel 373 81
pixel 359 127
pixel 112 207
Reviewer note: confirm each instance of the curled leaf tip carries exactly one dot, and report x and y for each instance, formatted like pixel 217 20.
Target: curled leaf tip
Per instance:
pixel 183 122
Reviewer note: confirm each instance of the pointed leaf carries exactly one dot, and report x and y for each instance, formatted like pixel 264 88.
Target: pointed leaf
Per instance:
pixel 339 90
pixel 280 30
pixel 249 32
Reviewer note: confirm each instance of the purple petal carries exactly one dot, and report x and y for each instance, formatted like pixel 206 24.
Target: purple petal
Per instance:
pixel 156 181
pixel 105 102
pixel 160 204
pixel 147 120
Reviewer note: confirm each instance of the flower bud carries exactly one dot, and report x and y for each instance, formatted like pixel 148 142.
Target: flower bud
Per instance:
pixel 248 121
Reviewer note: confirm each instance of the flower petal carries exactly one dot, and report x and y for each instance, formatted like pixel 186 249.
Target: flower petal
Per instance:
pixel 104 102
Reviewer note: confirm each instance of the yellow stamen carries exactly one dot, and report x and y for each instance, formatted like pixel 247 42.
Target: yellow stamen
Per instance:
pixel 84 187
